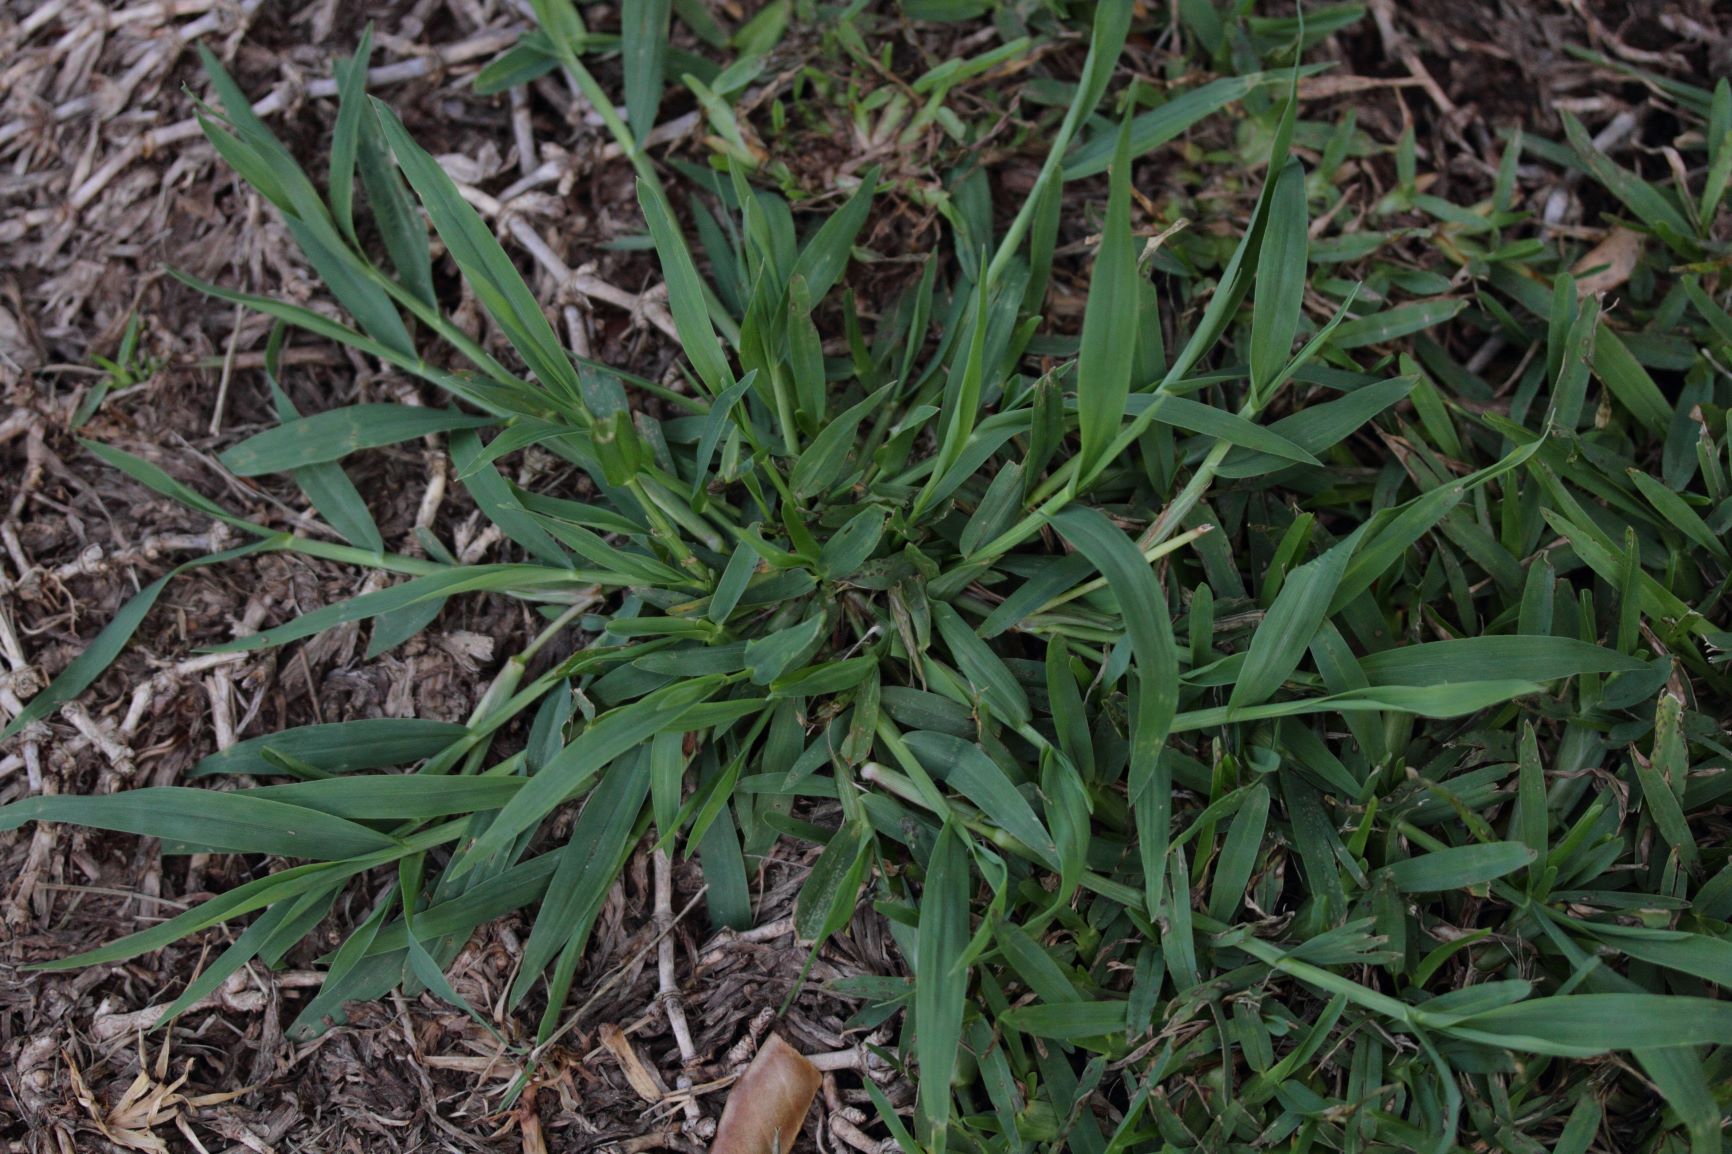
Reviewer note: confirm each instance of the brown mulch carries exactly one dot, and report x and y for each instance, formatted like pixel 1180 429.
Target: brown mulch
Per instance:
pixel 103 187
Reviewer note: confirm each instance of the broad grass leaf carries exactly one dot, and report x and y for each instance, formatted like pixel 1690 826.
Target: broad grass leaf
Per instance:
pixel 1649 204
pixel 851 545
pixel 771 655
pixel 1239 852
pixel 339 747
pixel 493 897
pixel 1067 1021
pixel 496 281
pixel 341 976
pixel 967 769
pixel 588 862
pixel 826 900
pixel 289 920
pixel 1148 623
pixel 1661 778
pixel 1235 279
pixel 394 797
pixel 644 44
pixel 1453 699
pixel 1280 642
pixel 1582 1025
pixel 685 293
pixel 345 138
pixel 1143 605
pixel 206 821
pixel 1457 867
pixel 1625 378
pixel 1196 417
pixel 243 899
pixel 494 396
pixel 822 463
pixel 1677 513
pixel 1150 130
pixel 961 407
pixel 329 489
pixel 498 504
pixel 153 478
pixel 985 671
pixel 400 225
pixel 1489 658
pixel 266 164
pixel 1281 269
pixel 825 257
pixel 1107 352
pixel 605 739
pixel 1112 23
pixel 469 578
pixel 332 435
pixel 1395 323
pixel 825 679
pixel 941 991
pixel 1053 577
pixel 1701 955
pixel 731 584
pixel 996 509
pixel 1035 965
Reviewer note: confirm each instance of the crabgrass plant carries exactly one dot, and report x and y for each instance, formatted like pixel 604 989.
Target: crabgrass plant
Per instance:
pixel 1253 730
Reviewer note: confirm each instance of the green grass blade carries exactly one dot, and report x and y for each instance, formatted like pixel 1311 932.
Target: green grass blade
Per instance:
pixel 1104 361
pixel 1484 658
pixel 345 139
pixel 825 257
pixel 1150 130
pixel 206 821
pixel 967 769
pixel 1280 642
pixel 1143 606
pixel 591 751
pixel 1281 274
pixel 333 435
pixel 1458 867
pixel 588 864
pixel 940 993
pixel 489 271
pixel 339 747
pixel 644 44
pixel 685 293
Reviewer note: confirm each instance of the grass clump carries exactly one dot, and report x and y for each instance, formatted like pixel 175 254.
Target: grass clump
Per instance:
pixel 1256 728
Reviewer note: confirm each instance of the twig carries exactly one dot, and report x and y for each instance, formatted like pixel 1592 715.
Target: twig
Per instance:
pixel 222 397
pixel 643 305
pixel 523 130
pixel 669 995
pixel 1396 44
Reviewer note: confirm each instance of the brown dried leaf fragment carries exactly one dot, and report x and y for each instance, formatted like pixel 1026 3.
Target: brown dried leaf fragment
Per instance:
pixel 1609 263
pixel 768 1105
pixel 643 1079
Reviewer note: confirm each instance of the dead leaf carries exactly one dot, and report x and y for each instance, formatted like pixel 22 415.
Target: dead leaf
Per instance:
pixel 642 1078
pixel 149 1102
pixel 1609 263
pixel 768 1105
